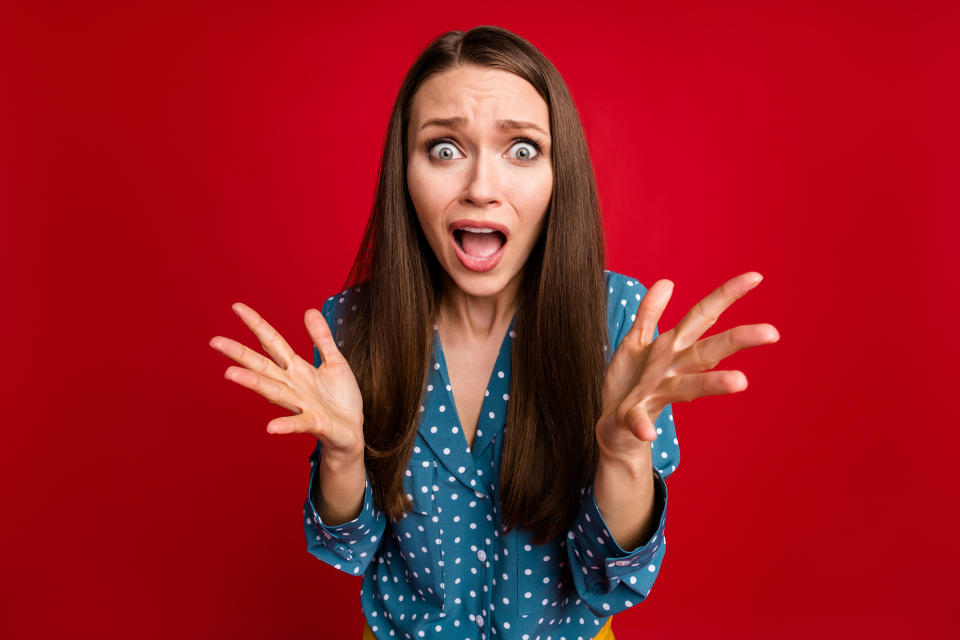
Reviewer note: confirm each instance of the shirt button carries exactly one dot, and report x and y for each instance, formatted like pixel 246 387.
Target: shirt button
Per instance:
pixel 480 621
pixel 481 555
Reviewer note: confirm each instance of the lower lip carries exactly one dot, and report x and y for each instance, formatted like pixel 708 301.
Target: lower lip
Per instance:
pixel 478 264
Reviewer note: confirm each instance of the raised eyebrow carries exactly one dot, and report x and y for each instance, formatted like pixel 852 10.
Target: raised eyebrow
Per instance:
pixel 459 121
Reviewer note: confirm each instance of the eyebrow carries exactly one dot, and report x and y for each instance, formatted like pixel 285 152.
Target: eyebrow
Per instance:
pixel 501 124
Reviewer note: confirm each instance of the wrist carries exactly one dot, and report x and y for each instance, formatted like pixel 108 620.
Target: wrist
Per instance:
pixel 633 465
pixel 340 462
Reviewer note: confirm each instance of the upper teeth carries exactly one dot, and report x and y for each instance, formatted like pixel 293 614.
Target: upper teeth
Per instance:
pixel 477 230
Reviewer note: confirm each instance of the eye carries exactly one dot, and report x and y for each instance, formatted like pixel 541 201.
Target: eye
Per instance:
pixel 446 150
pixel 527 149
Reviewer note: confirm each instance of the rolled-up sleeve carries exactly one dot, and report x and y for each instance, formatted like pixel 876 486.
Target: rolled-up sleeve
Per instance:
pixel 608 577
pixel 350 546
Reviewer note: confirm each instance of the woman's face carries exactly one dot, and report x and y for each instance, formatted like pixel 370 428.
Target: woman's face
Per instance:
pixel 487 167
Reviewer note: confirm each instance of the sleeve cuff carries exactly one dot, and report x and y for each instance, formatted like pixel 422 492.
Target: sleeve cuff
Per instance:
pixel 603 560
pixel 340 538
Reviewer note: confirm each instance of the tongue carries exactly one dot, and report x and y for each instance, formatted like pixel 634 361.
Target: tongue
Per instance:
pixel 481 245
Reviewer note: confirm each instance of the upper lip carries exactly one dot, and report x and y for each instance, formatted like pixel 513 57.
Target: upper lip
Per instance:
pixel 480 224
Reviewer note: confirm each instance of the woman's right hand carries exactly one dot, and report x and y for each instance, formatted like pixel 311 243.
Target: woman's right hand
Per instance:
pixel 325 401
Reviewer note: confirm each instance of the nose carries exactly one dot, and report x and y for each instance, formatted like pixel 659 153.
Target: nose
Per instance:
pixel 483 182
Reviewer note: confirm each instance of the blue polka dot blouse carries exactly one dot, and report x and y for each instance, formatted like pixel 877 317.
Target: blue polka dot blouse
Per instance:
pixel 446 569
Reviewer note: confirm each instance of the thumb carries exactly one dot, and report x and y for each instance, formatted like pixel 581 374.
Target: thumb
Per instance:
pixel 322 337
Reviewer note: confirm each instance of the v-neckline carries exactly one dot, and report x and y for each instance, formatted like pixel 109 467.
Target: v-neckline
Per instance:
pixel 448 384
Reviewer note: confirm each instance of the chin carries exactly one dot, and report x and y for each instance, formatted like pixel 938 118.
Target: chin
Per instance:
pixel 479 285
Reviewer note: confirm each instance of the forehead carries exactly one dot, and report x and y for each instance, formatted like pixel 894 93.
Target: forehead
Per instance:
pixel 478 93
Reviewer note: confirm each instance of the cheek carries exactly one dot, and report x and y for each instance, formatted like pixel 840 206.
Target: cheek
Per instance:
pixel 534 194
pixel 427 202
pixel 427 191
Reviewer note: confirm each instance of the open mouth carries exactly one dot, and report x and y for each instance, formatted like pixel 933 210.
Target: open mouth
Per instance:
pixel 479 250
pixel 479 244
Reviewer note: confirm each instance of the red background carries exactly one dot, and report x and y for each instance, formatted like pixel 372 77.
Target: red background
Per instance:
pixel 161 161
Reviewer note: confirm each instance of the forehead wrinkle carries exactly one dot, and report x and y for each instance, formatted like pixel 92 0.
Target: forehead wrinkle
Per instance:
pixel 458 122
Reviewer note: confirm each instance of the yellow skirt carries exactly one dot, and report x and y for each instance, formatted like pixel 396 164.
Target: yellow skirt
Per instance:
pixel 606 632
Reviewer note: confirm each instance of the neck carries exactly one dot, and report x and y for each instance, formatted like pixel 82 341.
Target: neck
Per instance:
pixel 477 317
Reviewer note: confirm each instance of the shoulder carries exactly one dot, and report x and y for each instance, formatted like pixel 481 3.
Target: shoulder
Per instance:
pixel 623 286
pixel 336 302
pixel 624 294
pixel 335 309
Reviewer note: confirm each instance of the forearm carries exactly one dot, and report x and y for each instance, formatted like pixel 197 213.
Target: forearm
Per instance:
pixel 624 491
pixel 342 482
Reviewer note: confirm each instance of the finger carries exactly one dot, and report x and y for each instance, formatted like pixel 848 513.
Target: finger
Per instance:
pixel 648 315
pixel 707 353
pixel 687 387
pixel 276 392
pixel 638 421
pixel 320 333
pixel 705 313
pixel 271 340
pixel 301 423
pixel 247 357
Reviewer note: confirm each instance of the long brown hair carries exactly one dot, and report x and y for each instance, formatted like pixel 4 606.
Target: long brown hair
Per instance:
pixel 550 450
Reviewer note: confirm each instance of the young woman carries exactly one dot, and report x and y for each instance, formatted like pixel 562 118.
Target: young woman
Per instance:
pixel 491 406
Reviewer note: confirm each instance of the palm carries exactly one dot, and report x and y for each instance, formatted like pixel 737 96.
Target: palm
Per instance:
pixel 325 401
pixel 646 375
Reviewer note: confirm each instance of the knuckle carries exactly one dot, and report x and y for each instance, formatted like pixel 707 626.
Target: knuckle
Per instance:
pixel 667 342
pixel 702 361
pixel 264 366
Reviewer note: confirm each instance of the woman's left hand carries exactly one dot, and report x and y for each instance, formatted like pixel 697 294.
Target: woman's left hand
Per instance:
pixel 644 377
